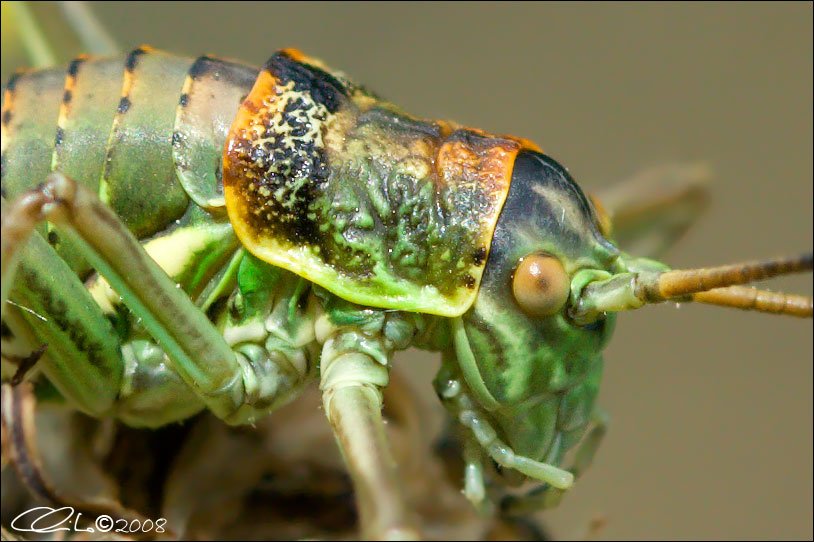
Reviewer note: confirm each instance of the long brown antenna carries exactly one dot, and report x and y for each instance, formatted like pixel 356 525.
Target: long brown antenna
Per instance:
pixel 633 289
pixel 679 283
pixel 741 297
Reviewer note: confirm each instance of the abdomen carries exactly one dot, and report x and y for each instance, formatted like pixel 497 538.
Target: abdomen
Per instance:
pixel 144 130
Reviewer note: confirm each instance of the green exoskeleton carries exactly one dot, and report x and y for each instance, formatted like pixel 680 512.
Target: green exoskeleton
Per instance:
pixel 197 234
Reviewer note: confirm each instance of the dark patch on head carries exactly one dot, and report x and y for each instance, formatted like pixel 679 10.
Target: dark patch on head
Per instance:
pixel 177 139
pixel 469 281
pixel 67 96
pixel 53 238
pixel 6 117
pixel 60 136
pixel 479 257
pixel 5 331
pixel 124 105
pixel 184 100
pixel 132 58
pixel 534 206
pixel 324 88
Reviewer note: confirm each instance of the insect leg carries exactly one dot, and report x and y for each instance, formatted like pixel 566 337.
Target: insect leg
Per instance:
pixel 82 357
pixel 474 483
pixel 196 349
pixel 547 496
pixel 353 372
pixel 648 213
pixel 457 401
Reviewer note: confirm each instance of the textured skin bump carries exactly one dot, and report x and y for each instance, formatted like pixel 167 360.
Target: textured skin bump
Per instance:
pixel 382 209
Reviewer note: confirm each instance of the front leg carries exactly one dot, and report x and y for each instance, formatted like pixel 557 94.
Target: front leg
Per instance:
pixel 546 496
pixel 456 399
pixel 354 369
pixel 236 385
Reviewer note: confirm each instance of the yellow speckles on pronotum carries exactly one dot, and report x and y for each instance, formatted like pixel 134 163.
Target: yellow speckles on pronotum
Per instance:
pixel 284 122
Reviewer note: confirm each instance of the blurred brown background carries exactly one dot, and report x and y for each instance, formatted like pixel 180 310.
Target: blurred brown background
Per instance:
pixel 711 432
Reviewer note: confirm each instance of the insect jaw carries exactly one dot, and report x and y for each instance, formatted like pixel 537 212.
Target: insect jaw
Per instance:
pixel 591 297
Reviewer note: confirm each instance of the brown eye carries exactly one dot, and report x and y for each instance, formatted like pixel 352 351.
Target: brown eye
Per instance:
pixel 540 285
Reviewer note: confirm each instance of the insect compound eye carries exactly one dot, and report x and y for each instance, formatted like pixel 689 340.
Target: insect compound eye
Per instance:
pixel 540 284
